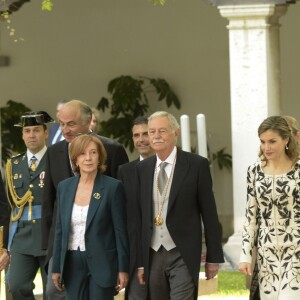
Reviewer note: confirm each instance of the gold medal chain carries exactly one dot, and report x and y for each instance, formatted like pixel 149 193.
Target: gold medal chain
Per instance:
pixel 158 220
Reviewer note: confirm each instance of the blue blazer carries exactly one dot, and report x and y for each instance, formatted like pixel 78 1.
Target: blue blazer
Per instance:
pixel 106 238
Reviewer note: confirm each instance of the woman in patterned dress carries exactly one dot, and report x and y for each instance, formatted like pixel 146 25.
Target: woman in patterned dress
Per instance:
pixel 273 213
pixel 254 288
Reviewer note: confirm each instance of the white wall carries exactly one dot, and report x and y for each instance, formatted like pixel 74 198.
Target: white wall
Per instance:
pixel 75 50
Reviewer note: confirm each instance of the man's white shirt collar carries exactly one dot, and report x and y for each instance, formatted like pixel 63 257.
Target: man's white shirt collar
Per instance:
pixel 170 159
pixel 38 155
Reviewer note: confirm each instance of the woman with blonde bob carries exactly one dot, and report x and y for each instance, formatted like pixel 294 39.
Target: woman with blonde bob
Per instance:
pixel 91 251
pixel 272 213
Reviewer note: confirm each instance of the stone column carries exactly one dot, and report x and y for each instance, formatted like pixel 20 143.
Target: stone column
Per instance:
pixel 255 93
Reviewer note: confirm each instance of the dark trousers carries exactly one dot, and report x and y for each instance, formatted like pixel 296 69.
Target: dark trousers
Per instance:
pixel 169 276
pixel 135 291
pixel 20 276
pixel 51 291
pixel 78 282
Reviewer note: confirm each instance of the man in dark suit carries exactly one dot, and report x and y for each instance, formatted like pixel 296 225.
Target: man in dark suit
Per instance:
pixel 174 198
pixel 74 118
pixel 127 174
pixel 25 175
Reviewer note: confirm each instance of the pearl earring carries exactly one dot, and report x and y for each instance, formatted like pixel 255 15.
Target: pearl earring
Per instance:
pixel 286 147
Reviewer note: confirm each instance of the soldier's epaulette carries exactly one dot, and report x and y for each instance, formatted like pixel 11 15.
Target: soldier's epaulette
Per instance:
pixel 18 156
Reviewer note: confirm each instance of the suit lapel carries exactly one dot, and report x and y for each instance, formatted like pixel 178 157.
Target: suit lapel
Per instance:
pixel 180 172
pixel 60 156
pixel 68 203
pixel 148 193
pixel 64 148
pixel 96 200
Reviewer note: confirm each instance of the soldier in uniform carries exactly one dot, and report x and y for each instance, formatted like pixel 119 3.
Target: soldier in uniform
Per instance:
pixel 25 175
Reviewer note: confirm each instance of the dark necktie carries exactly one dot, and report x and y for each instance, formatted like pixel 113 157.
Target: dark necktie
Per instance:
pixel 162 177
pixel 33 163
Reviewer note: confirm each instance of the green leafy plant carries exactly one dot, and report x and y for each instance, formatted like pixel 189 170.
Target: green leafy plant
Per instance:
pixel 129 100
pixel 223 159
pixel 11 137
pixel 8 7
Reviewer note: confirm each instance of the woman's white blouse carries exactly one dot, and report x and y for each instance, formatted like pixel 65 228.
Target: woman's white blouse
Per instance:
pixel 77 229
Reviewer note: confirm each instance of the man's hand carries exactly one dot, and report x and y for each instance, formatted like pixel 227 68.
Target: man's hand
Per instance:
pixel 245 268
pixel 211 270
pixel 122 281
pixel 141 276
pixel 4 259
pixel 56 277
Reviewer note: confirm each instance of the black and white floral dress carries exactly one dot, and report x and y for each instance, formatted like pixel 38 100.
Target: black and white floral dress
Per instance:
pixel 273 225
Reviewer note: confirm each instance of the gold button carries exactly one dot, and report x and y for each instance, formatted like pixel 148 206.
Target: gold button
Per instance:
pixel 31 185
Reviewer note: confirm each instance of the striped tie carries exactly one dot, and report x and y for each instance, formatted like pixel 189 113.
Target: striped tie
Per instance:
pixel 33 164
